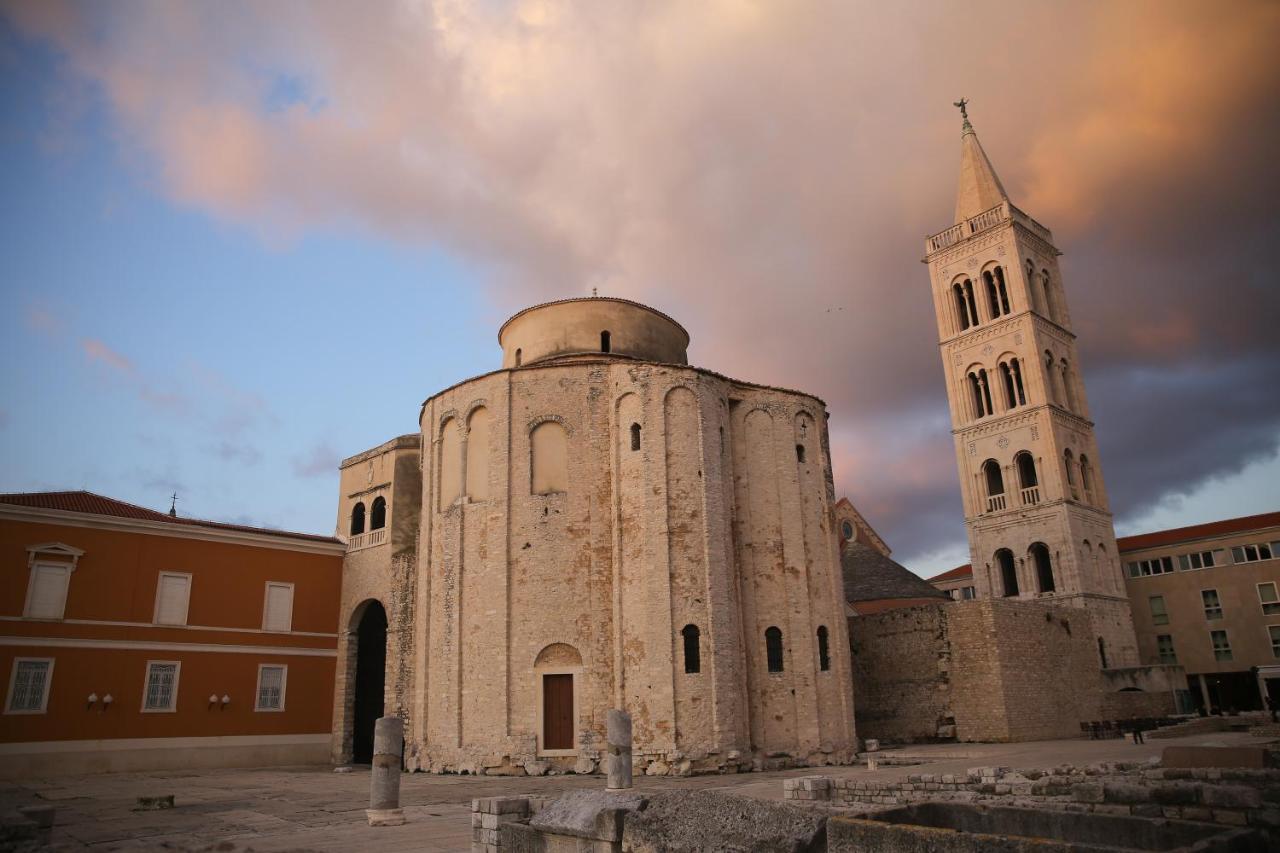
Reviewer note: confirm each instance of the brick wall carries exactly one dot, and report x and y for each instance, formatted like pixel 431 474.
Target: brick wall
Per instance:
pixel 900 670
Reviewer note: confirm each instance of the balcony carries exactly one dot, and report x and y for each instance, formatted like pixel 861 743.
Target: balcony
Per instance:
pixel 367 540
pixel 997 215
pixel 995 503
pixel 1031 496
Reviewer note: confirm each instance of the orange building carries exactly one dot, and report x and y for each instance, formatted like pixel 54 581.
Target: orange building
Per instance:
pixel 134 639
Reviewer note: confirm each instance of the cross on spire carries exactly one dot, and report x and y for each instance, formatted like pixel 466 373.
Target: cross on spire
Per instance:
pixel 963 104
pixel 173 506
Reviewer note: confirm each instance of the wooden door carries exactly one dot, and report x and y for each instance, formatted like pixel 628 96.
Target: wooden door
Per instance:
pixel 557 711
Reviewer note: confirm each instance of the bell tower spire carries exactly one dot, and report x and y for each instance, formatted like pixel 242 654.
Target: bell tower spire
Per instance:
pixel 1035 505
pixel 980 188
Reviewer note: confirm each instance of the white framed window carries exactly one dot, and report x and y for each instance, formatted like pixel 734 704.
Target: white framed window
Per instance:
pixel 29 686
pixel 1159 615
pixel 1268 598
pixel 1221 645
pixel 272 678
pixel 47 590
pixel 173 595
pixel 160 694
pixel 1202 560
pixel 1274 631
pixel 277 607
pixel 1164 648
pixel 1254 553
pixel 1154 566
pixel 1212 604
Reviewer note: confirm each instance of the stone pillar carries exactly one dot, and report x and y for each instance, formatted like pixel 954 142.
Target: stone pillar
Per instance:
pixel 618 732
pixel 384 786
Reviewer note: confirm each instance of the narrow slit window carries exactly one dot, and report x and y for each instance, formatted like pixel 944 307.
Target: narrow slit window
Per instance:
pixel 635 436
pixel 692 651
pixel 800 453
pixel 824 649
pixel 604 342
pixel 773 648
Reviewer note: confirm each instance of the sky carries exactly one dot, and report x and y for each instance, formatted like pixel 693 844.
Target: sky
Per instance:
pixel 242 241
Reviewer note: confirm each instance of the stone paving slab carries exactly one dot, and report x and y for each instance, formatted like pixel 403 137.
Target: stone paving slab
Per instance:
pixel 274 810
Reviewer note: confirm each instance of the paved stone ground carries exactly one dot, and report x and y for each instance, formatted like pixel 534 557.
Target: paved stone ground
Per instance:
pixel 315 809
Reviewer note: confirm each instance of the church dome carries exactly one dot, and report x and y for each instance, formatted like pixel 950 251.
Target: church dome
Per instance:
pixel 591 326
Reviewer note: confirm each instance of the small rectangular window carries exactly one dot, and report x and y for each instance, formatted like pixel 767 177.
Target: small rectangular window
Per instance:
pixel 173 594
pixel 1212 604
pixel 1159 616
pixel 47 593
pixel 1274 631
pixel 1255 552
pixel 277 608
pixel 161 691
pixel 1164 648
pixel 271 683
pixel 1221 645
pixel 29 686
pixel 1267 596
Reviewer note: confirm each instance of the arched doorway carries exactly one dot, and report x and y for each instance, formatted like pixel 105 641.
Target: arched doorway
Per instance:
pixel 371 667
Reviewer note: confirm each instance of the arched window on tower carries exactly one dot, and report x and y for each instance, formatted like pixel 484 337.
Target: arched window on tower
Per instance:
pixel 635 436
pixel 993 298
pixel 692 652
pixel 378 514
pixel 1069 388
pixel 1048 296
pixel 773 648
pixel 1008 573
pixel 357 519
pixel 518 356
pixel 1010 393
pixel 994 480
pixel 1086 478
pixel 1050 380
pixel 1031 286
pixel 1016 368
pixel 986 391
pixel 1069 463
pixel 1028 483
pixel 970 303
pixel 976 390
pixel 962 309
pixel 824 649
pixel 1002 290
pixel 1039 554
pixel 604 342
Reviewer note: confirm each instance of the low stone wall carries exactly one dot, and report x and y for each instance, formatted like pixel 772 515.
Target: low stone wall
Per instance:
pixel 1134 704
pixel 1235 797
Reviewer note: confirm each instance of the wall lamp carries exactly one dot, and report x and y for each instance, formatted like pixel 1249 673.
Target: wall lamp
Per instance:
pixel 214 700
pixel 93 700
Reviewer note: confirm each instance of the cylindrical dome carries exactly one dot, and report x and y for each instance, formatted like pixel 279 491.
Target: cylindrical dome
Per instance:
pixel 590 325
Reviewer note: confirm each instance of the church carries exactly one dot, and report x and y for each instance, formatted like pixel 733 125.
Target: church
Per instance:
pixel 596 524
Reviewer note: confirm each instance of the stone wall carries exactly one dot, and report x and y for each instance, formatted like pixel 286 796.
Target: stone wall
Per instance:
pixel 999 670
pixel 1235 797
pixel 678 498
pixel 901 669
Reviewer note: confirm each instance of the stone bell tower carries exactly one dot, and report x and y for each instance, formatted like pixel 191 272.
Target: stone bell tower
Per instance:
pixel 1035 504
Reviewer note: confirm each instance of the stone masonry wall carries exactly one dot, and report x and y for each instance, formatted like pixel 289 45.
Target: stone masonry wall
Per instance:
pixel 999 670
pixel 901 670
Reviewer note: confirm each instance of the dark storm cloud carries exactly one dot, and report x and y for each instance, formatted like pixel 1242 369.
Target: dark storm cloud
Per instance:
pixel 766 172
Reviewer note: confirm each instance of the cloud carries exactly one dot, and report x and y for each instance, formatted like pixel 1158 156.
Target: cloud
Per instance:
pixel 242 453
pixel 43 319
pixel 97 351
pixel 321 461
pixel 748 166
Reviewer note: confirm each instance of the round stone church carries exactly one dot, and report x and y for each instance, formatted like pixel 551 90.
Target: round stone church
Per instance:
pixel 596 525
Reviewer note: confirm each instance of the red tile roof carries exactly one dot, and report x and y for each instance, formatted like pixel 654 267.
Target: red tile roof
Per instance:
pixel 1198 531
pixel 965 571
pixel 94 504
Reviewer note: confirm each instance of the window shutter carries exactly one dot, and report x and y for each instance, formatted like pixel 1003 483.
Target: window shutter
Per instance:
pixel 172 598
pixel 48 591
pixel 279 607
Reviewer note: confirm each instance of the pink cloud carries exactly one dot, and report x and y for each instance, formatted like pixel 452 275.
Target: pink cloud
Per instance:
pixel 97 351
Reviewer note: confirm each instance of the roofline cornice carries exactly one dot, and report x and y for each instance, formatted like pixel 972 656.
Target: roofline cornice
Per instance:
pixel 281 542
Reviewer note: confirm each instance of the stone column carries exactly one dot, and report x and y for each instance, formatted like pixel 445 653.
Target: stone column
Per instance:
pixel 384 786
pixel 618 732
